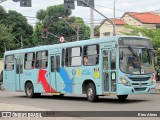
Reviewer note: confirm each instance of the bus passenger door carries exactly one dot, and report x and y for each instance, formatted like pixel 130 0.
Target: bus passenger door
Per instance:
pixel 109 70
pixel 19 74
pixel 54 71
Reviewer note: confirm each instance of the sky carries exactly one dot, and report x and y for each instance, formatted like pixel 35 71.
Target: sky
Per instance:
pixel 103 6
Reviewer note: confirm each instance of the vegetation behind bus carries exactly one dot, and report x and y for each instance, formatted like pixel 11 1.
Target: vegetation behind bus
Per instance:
pixel 14 28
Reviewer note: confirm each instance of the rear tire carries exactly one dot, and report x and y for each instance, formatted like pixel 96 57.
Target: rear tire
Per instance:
pixel 91 93
pixel 122 97
pixel 29 90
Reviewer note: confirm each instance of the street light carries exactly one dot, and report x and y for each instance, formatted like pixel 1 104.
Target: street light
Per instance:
pixel 77 32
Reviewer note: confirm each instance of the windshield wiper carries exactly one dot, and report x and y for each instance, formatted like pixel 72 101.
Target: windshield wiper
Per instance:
pixel 132 51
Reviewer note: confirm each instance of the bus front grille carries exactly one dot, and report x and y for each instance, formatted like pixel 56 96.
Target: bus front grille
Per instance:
pixel 140 89
pixel 140 79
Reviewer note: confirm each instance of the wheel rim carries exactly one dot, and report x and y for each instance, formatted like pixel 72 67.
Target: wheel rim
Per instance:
pixel 29 91
pixel 90 93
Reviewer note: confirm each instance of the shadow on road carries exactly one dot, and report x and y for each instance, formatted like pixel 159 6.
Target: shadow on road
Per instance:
pixel 82 98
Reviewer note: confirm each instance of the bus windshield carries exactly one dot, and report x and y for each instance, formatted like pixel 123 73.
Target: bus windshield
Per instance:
pixel 136 60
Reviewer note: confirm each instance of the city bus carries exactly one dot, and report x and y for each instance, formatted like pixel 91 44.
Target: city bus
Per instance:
pixel 118 65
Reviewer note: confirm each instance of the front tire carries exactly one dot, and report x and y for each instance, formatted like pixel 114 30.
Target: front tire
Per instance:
pixel 91 93
pixel 122 97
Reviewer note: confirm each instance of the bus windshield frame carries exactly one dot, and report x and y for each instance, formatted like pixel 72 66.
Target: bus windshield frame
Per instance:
pixel 136 59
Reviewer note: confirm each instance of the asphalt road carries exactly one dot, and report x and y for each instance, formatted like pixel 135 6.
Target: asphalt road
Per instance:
pixel 142 102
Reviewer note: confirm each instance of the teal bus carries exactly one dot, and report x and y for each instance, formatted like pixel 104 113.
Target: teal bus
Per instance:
pixel 119 65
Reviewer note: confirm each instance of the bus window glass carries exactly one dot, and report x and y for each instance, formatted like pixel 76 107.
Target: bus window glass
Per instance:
pixel 9 62
pixel 63 57
pixel 42 59
pixel 73 56
pixel 52 64
pixel 113 59
pixel 137 60
pixel 29 60
pixel 91 55
pixel 105 60
pixel 58 63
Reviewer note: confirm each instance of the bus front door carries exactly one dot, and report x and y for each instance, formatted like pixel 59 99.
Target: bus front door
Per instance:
pixel 109 70
pixel 19 74
pixel 54 71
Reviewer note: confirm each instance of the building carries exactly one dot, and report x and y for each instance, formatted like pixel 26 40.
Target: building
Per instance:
pixel 106 29
pixel 147 19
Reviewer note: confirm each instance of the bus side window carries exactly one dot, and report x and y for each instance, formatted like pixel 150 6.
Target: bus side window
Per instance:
pixel 91 55
pixel 42 59
pixel 9 62
pixel 113 59
pixel 29 60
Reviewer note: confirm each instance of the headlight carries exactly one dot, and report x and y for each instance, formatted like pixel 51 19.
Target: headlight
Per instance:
pixel 152 82
pixel 125 82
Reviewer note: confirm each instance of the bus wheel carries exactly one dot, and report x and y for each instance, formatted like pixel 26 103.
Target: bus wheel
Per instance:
pixel 122 97
pixel 29 90
pixel 91 93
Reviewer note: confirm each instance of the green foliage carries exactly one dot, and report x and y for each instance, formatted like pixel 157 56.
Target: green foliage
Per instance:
pixel 13 27
pixel 96 30
pixel 3 15
pixel 41 14
pixel 20 28
pixel 56 19
pixel 6 39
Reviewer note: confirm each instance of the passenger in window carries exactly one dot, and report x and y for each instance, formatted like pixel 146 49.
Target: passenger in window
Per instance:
pixel 32 65
pixel 85 60
pixel 37 64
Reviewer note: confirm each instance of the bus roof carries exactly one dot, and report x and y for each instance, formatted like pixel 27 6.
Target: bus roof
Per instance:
pixel 68 44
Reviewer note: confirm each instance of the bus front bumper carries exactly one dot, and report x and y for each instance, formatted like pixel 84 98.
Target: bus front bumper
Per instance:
pixel 123 90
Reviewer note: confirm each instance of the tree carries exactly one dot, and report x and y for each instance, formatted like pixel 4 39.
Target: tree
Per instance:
pixel 50 19
pixel 41 15
pixel 6 39
pixel 96 30
pixel 3 15
pixel 20 29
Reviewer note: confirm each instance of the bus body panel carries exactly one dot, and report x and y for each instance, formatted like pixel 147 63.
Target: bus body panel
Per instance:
pixel 69 79
pixel 9 80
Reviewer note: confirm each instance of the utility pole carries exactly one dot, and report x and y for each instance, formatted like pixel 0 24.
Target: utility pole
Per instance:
pixel 114 32
pixel 5 47
pixel 21 42
pixel 107 19
pixel 92 23
pixel 78 32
